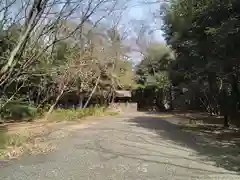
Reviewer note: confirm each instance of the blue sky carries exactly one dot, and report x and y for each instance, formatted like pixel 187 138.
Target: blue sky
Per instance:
pixel 143 13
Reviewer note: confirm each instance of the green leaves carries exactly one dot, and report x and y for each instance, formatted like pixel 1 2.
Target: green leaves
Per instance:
pixel 159 80
pixel 153 69
pixel 205 37
pixel 201 33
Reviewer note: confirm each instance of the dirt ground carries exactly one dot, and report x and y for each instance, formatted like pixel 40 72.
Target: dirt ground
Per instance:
pixel 34 137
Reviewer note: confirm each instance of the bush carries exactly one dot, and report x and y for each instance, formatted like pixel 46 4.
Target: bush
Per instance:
pixel 18 110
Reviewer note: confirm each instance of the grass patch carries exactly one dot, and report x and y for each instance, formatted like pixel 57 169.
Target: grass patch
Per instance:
pixel 17 144
pixel 12 143
pixel 77 114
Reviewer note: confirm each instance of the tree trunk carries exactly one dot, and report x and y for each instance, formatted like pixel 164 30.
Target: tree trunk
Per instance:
pixel 224 106
pixel 226 121
pixel 93 91
pixel 234 98
pixel 213 91
pixel 113 97
pixel 170 98
pixel 54 104
pixel 80 101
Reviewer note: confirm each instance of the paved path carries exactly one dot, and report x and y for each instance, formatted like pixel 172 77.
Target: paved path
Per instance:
pixel 120 148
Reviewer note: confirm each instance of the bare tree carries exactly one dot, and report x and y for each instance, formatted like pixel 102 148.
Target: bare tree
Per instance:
pixel 46 16
pixel 31 20
pixel 91 54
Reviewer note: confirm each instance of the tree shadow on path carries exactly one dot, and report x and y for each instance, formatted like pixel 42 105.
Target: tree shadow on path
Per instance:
pixel 217 145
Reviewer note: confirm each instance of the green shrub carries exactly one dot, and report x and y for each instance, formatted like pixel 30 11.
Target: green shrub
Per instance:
pixel 18 110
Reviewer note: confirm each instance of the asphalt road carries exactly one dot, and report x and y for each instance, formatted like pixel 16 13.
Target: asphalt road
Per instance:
pixel 130 147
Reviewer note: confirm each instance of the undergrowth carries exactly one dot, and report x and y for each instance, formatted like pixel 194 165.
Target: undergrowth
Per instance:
pixel 17 110
pixel 77 114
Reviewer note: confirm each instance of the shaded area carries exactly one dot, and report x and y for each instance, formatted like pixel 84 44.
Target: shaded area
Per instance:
pixel 150 159
pixel 148 155
pixel 211 141
pixel 202 117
